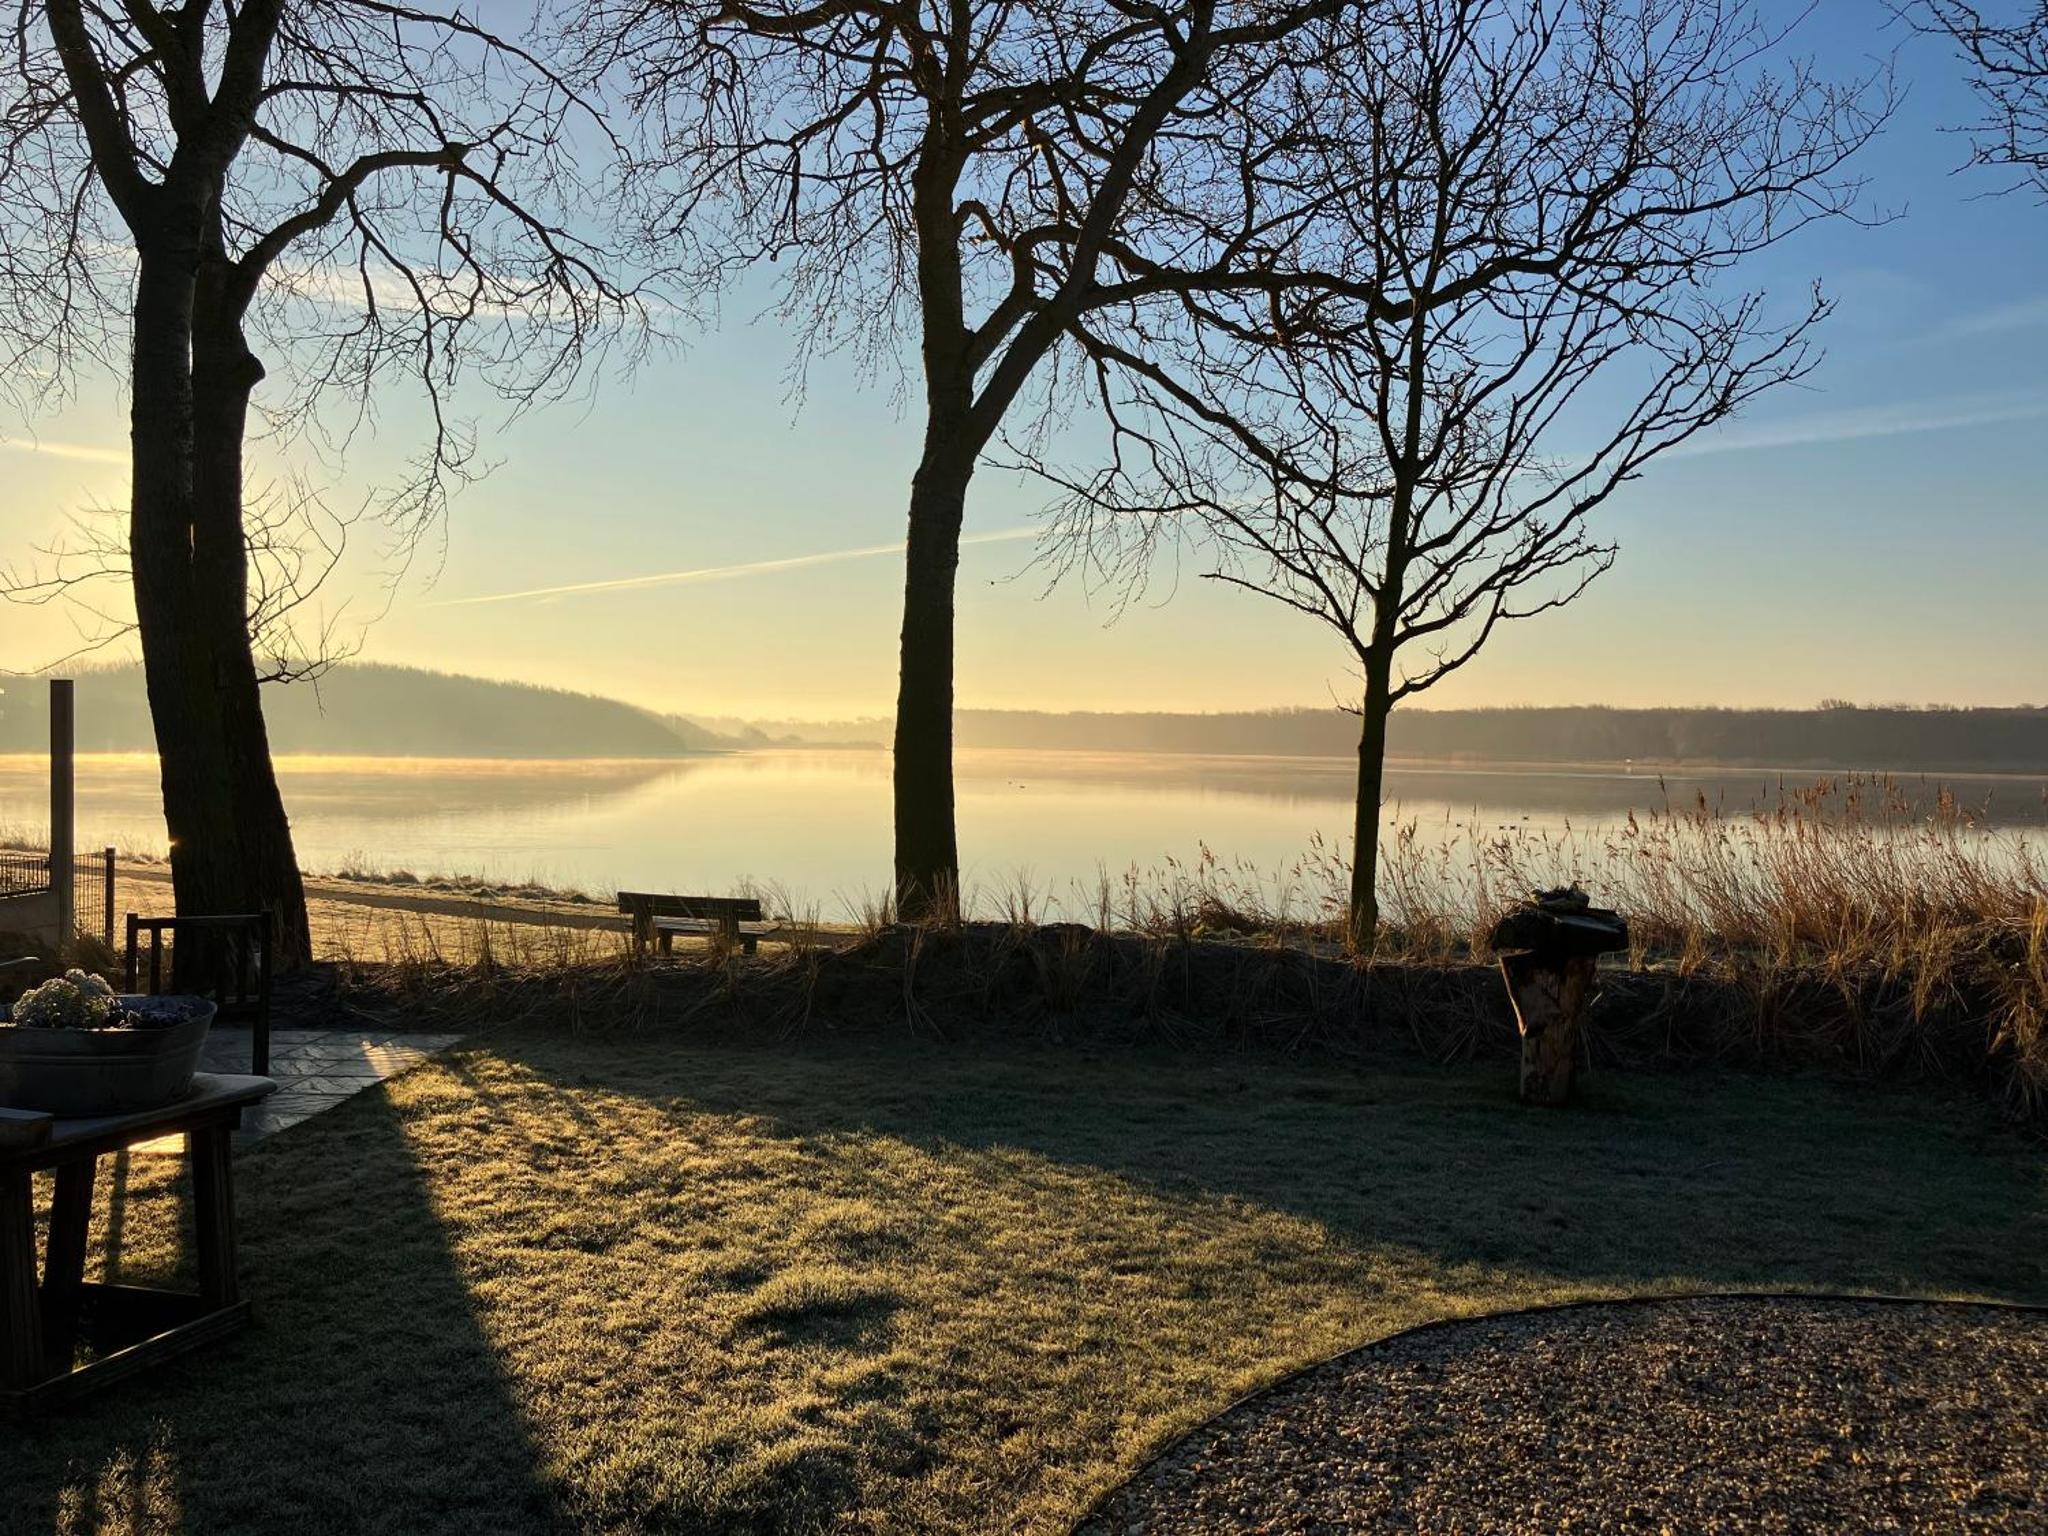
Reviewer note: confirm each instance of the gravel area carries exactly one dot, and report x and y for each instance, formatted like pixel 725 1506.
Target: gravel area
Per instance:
pixel 1683 1416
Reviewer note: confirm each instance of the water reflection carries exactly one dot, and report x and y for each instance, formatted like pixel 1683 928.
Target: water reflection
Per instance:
pixel 816 823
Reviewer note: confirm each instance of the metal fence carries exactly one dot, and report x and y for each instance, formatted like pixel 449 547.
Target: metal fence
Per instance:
pixel 26 872
pixel 92 895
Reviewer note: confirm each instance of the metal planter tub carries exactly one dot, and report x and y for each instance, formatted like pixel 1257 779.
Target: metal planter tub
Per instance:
pixel 105 1071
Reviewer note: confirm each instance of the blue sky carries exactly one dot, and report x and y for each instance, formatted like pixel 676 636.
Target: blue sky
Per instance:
pixel 1880 534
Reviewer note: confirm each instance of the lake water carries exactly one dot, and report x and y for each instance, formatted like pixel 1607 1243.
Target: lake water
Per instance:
pixel 815 824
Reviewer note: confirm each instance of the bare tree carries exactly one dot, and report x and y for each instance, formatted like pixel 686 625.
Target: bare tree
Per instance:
pixel 998 183
pixel 2007 60
pixel 295 540
pixel 361 189
pixel 1550 192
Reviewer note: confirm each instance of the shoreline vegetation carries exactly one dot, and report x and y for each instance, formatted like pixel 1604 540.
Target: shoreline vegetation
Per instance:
pixel 375 711
pixel 1875 944
pixel 1916 812
pixel 1637 768
pixel 1864 924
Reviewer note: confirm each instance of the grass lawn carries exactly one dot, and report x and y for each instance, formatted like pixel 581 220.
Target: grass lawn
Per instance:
pixel 634 1285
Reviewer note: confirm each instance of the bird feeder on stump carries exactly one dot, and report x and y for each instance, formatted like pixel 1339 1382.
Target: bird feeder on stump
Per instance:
pixel 1549 948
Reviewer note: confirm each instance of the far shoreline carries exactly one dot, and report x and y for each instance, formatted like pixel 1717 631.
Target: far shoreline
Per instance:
pixel 1473 766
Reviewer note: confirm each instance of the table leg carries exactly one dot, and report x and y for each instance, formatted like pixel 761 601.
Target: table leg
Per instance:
pixel 64 1268
pixel 21 1324
pixel 213 1214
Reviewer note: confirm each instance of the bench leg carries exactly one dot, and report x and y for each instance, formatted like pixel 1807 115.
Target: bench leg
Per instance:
pixel 21 1323
pixel 213 1215
pixel 668 942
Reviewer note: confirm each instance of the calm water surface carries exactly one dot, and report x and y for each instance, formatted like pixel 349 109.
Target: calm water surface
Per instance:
pixel 816 823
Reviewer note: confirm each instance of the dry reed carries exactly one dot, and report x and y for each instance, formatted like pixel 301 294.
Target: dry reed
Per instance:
pixel 1834 926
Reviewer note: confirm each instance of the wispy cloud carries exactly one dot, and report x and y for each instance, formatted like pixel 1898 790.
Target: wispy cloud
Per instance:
pixel 706 573
pixel 2022 314
pixel 81 451
pixel 1893 420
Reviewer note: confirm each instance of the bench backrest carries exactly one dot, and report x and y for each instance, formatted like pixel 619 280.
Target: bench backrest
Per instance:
pixel 645 906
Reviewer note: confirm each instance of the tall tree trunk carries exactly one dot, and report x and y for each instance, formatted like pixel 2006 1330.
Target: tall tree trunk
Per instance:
pixel 1364 924
pixel 1378 702
pixel 230 844
pixel 225 373
pixel 927 846
pixel 183 703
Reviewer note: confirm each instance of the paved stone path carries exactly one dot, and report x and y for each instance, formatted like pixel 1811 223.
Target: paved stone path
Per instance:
pixel 315 1070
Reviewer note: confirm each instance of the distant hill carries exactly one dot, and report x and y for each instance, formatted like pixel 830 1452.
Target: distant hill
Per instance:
pixel 1917 740
pixel 378 711
pixel 383 711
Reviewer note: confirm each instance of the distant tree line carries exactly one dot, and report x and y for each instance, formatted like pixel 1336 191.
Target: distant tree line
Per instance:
pixel 1885 737
pixel 362 709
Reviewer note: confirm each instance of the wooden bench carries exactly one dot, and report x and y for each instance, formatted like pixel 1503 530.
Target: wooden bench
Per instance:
pixel 658 919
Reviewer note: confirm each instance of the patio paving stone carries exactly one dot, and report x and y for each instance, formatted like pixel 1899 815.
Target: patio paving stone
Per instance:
pixel 315 1069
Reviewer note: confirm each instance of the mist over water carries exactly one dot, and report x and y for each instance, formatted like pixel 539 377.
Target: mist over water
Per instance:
pixel 814 824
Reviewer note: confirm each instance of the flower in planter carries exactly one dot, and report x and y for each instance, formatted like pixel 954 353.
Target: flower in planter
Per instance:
pixel 75 1000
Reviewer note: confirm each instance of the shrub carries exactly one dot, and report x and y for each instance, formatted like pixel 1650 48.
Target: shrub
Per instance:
pixel 75 1000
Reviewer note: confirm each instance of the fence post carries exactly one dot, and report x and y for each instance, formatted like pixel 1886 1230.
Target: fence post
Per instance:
pixel 107 857
pixel 63 853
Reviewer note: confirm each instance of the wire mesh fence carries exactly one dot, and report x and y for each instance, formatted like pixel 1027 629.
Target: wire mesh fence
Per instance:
pixel 26 872
pixel 92 895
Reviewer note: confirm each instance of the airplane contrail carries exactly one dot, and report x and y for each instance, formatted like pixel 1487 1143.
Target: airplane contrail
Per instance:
pixel 1852 425
pixel 720 572
pixel 66 450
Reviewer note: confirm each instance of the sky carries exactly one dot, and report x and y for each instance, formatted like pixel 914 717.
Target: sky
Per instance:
pixel 1878 534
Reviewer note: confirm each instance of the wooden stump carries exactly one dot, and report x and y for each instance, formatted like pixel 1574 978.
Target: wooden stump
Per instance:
pixel 1549 993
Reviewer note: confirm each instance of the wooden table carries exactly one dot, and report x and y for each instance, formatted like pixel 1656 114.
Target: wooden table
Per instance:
pixel 129 1326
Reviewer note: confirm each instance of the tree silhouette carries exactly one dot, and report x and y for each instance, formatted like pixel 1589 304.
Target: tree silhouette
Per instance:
pixel 2007 61
pixel 1012 187
pixel 358 189
pixel 1549 193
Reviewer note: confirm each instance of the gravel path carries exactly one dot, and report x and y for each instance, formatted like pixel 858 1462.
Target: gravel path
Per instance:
pixel 1687 1416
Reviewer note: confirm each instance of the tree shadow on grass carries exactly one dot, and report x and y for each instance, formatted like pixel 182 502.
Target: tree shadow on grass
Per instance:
pixel 363 1398
pixel 923 1287
pixel 635 1284
pixel 1706 1179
